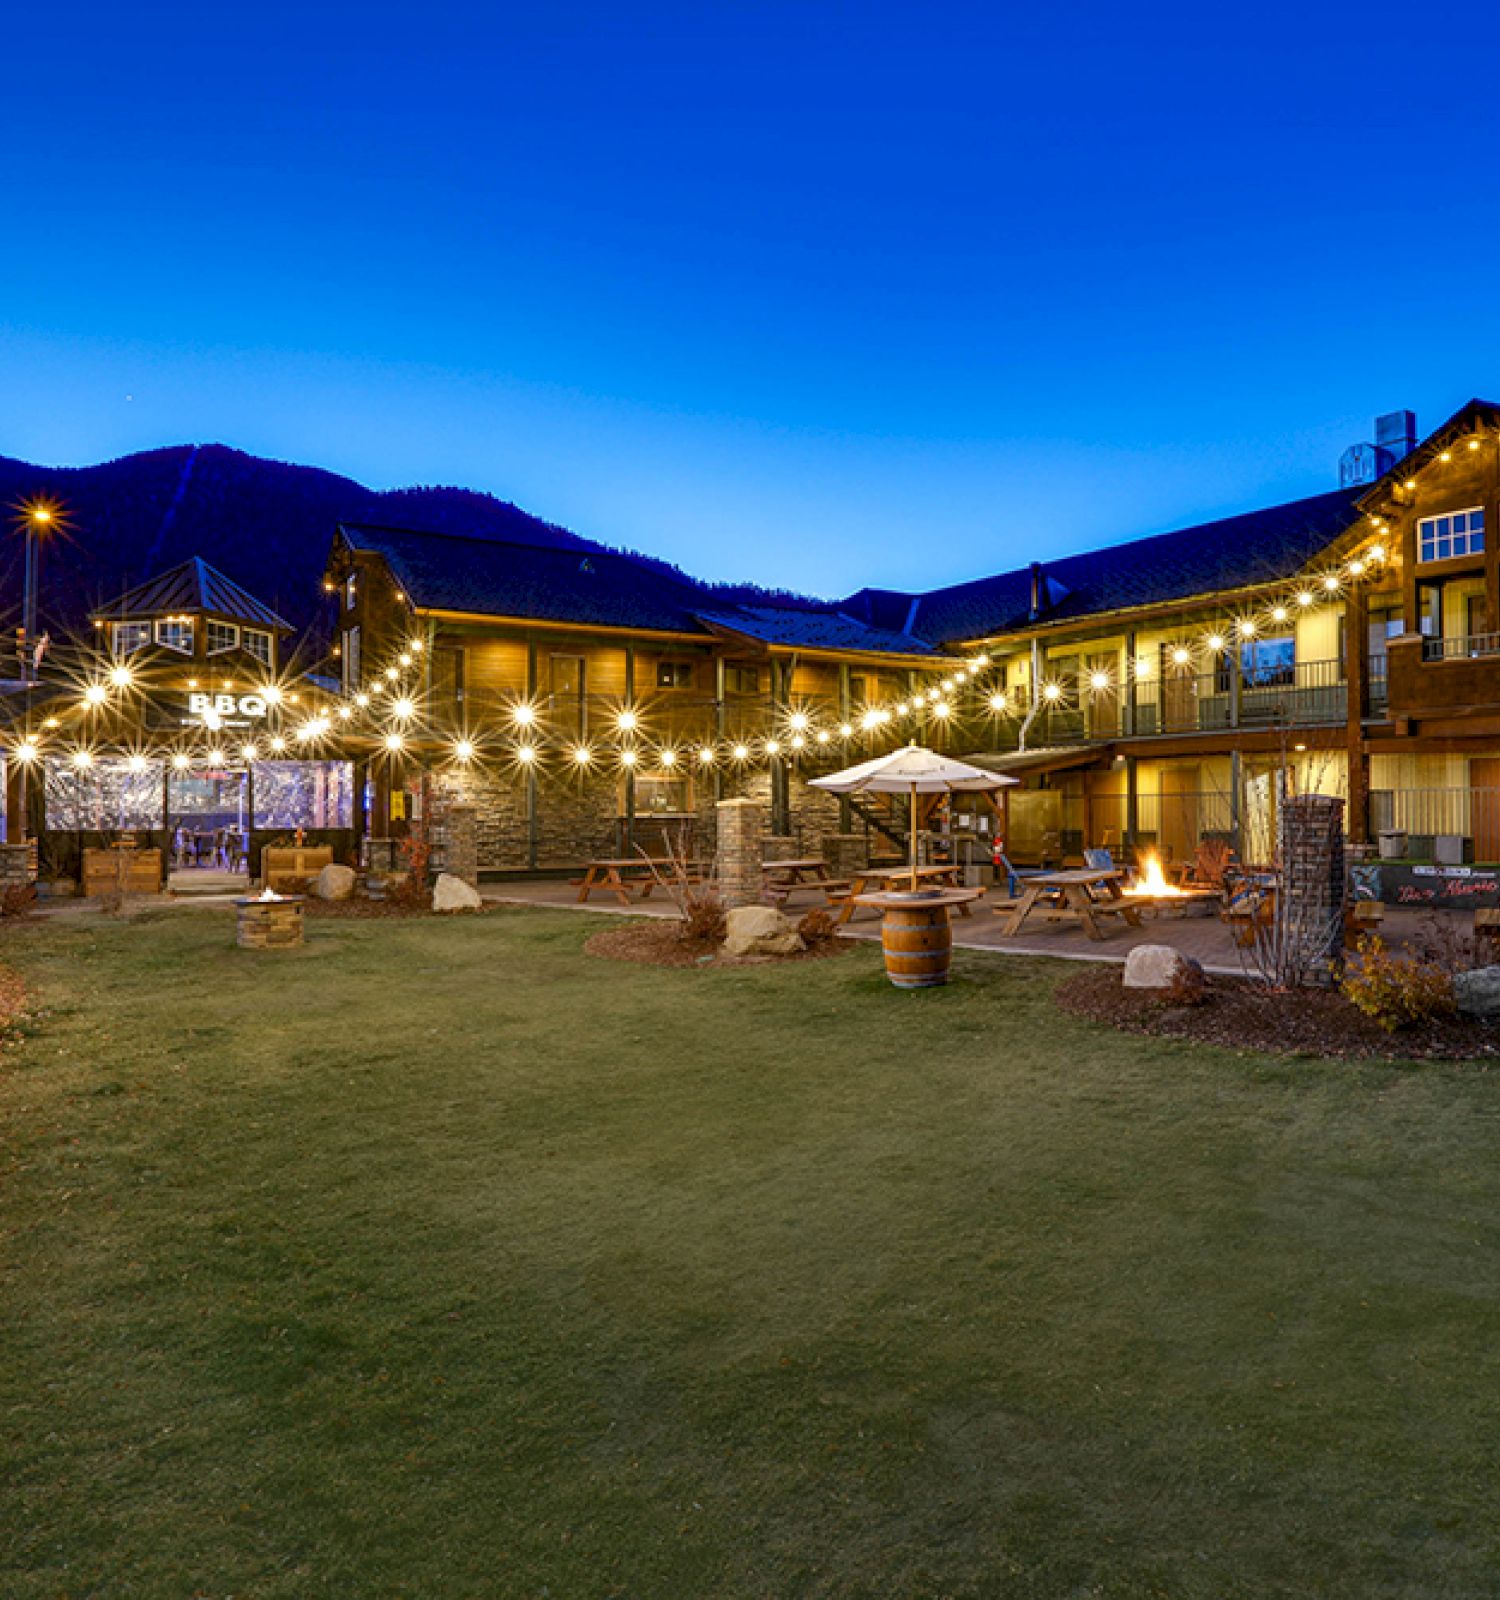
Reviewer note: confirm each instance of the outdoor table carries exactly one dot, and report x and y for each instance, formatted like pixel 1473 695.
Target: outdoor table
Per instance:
pixel 1083 895
pixel 782 878
pixel 915 933
pixel 948 875
pixel 619 876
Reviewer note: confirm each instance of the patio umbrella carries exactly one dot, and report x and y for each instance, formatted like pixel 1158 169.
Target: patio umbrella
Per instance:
pixel 912 770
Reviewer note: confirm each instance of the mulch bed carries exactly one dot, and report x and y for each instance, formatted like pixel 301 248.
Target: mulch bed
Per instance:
pixel 660 943
pixel 1237 1016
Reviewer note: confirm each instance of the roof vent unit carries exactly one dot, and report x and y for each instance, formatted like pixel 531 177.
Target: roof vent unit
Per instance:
pixel 1395 439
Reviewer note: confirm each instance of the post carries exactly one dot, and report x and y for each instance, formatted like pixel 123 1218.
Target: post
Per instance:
pixel 1132 819
pixel 1310 902
pixel 737 863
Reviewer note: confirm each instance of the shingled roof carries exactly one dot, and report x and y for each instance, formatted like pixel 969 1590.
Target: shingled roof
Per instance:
pixel 490 577
pixel 194 587
pixel 1232 553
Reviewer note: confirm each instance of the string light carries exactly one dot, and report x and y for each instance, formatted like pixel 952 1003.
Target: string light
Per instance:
pixel 404 708
pixel 95 695
pixel 582 755
pixel 627 721
pixel 1052 691
pixel 628 758
pixel 706 754
pixel 121 677
pixel 463 749
pixel 394 742
pixel 773 747
pixel 525 754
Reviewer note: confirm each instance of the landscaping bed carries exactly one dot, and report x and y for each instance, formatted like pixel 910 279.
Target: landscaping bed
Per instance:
pixel 1239 1016
pixel 662 943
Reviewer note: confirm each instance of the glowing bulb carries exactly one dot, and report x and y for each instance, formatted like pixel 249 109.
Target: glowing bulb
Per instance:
pixel 404 707
pixel 1181 656
pixel 706 756
pixel 137 763
pixel 1279 614
pixel 1377 552
pixel 668 758
pixel 278 744
pixel 121 677
pixel 1411 483
pixel 216 757
pixel 1247 628
pixel 582 755
pixel 344 713
pixel 361 699
pixel 248 752
pixel 464 749
pixel 846 730
pixel 628 758
pixel 904 709
pixel 41 514
pixel 942 709
pixel 798 721
pixel 981 660
pixel 1447 455
pixel 525 754
pixel 948 685
pixel 416 646
pixel 627 722
pixel 997 702
pixel 1216 641
pixel 394 741
pixel 1331 584
pixel 270 693
pixel 1473 444
pixel 798 741
pixel 824 736
pixel 82 758
pixel 95 695
pixel 869 720
pixel 523 715
pixel 1356 568
pixel 403 660
pixel 773 747
pixel 181 762
pixel 26 750
pixel 1052 691
pixel 1306 598
pixel 392 674
pixel 741 752
pixel 962 674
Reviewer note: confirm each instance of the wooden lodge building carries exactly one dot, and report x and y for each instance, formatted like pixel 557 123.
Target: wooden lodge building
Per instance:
pixel 1152 693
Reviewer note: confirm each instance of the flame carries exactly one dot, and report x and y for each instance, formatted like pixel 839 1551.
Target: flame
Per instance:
pixel 268 894
pixel 1151 880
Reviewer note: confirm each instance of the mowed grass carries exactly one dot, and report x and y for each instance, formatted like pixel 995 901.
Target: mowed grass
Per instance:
pixel 441 1260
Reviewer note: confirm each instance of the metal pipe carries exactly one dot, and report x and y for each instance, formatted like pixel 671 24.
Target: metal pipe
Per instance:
pixel 1036 693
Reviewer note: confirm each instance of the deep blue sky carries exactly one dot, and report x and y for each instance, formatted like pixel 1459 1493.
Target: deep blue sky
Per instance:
pixel 812 294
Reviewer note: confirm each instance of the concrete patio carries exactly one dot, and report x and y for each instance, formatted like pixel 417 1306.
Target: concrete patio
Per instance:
pixel 1205 938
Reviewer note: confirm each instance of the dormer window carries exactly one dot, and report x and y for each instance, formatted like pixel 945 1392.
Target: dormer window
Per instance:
pixel 176 633
pixel 1460 533
pixel 220 636
pixel 257 643
pixel 128 637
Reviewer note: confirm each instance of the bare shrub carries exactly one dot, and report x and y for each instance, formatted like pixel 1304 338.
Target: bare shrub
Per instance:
pixel 693 891
pixel 817 927
pixel 1397 991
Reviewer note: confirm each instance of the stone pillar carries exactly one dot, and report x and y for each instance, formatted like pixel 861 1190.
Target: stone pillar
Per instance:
pixel 381 857
pixel 846 854
pixel 739 854
pixel 15 865
pixel 1310 903
pixel 461 852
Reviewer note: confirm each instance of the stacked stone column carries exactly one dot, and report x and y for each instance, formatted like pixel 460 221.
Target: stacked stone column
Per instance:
pixel 1310 905
pixel 738 860
pixel 461 844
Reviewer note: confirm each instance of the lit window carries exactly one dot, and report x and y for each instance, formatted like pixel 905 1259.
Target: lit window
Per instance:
pixel 741 679
pixel 220 636
pixel 351 591
pixel 1460 533
pixel 1267 662
pixel 674 675
pixel 176 633
pixel 663 794
pixel 128 637
pixel 258 644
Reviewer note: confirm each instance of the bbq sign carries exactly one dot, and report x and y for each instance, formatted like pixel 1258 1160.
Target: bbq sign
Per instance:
pixel 225 710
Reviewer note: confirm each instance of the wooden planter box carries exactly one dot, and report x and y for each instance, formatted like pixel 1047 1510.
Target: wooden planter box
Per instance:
pixel 103 874
pixel 282 864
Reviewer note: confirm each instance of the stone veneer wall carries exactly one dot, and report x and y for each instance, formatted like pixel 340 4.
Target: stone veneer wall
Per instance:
pixel 737 865
pixel 1310 906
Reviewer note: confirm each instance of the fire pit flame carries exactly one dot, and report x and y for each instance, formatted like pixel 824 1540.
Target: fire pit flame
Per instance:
pixel 1152 881
pixel 268 893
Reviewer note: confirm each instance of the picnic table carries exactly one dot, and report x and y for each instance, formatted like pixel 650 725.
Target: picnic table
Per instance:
pixel 945 875
pixel 1083 895
pixel 631 875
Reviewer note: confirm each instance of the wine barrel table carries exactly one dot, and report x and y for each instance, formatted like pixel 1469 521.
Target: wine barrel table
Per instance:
pixel 915 933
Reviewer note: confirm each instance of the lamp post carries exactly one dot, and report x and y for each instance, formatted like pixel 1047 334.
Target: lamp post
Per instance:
pixel 38 521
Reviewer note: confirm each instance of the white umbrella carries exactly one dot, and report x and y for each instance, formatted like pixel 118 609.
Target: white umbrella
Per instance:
pixel 912 770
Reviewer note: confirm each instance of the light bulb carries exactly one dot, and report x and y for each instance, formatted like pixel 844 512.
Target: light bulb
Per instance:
pixel 95 695
pixel 627 758
pixel 1279 614
pixel 706 756
pixel 525 754
pixel 997 702
pixel 741 752
pixel 797 721
pixel 627 721
pixel 121 677
pixel 464 749
pixel 394 741
pixel 1216 641
pixel 1051 691
pixel 773 747
pixel 136 763
pixel 523 715
pixel 582 755
pixel 668 758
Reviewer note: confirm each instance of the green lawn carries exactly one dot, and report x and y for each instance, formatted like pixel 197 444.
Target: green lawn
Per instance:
pixel 440 1260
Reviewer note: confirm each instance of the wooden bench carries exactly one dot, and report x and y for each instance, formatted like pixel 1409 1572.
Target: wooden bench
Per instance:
pixel 121 870
pixel 281 865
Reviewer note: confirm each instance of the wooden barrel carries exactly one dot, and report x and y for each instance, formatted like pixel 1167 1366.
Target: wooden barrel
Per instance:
pixel 918 942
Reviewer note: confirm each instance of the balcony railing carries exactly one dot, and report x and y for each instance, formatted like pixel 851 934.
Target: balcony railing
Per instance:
pixel 1462 647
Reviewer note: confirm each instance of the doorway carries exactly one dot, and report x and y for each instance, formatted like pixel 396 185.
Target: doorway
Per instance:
pixel 1484 797
pixel 208 828
pixel 1179 813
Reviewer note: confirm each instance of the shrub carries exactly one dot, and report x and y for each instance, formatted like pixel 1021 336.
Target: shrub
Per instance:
pixel 703 920
pixel 16 899
pixel 817 927
pixel 1397 991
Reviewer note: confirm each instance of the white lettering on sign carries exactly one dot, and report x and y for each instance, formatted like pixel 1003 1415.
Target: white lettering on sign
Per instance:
pixel 225 706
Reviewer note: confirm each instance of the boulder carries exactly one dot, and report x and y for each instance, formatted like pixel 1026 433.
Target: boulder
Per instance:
pixel 1477 994
pixel 760 931
pixel 453 894
pixel 335 883
pixel 1176 978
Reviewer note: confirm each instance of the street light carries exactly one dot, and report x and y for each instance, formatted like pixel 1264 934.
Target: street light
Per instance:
pixel 39 517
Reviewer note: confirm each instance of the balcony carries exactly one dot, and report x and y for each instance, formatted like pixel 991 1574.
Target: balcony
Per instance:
pixel 1463 647
pixel 1453 677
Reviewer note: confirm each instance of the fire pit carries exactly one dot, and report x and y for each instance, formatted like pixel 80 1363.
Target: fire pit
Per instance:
pixel 268 921
pixel 1155 895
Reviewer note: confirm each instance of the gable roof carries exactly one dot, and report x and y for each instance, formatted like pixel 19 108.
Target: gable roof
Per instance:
pixel 493 577
pixel 1467 419
pixel 1230 553
pixel 195 587
pixel 490 577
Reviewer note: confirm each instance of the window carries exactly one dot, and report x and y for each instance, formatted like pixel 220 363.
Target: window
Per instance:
pixel 741 679
pixel 351 591
pixel 176 633
pixel 220 636
pixel 350 658
pixel 109 795
pixel 674 675
pixel 128 637
pixel 303 794
pixel 447 677
pixel 257 644
pixel 565 680
pixel 663 794
pixel 1461 533
pixel 1266 663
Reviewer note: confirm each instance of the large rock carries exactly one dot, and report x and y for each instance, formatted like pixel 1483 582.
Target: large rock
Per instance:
pixel 760 931
pixel 1477 994
pixel 1166 972
pixel 335 882
pixel 453 894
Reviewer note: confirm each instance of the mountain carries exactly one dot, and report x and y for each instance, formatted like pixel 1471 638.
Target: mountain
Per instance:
pixel 266 524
